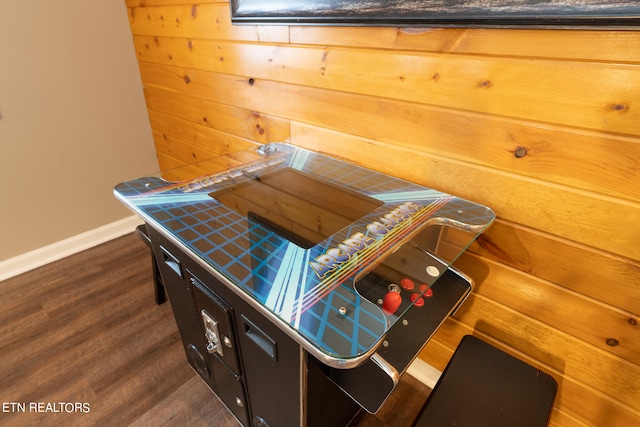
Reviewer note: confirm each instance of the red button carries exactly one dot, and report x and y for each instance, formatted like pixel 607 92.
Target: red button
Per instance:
pixel 417 300
pixel 426 291
pixel 407 284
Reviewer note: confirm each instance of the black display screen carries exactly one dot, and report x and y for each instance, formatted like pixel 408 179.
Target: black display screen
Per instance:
pixel 301 208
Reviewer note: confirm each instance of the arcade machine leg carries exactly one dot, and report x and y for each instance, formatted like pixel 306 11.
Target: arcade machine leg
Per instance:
pixel 161 296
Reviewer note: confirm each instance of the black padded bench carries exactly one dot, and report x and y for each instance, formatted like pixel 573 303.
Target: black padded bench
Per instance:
pixel 483 386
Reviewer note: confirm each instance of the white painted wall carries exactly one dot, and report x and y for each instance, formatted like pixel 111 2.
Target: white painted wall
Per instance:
pixel 73 120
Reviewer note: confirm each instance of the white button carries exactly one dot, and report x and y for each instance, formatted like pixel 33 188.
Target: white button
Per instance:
pixel 433 271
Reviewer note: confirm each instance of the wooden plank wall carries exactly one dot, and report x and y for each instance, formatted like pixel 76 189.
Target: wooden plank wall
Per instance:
pixel 542 126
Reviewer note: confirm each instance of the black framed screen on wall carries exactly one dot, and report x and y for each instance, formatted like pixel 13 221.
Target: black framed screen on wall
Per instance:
pixel 441 13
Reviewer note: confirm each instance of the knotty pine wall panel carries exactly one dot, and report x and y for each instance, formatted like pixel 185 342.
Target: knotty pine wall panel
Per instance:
pixel 543 126
pixel 581 45
pixel 568 156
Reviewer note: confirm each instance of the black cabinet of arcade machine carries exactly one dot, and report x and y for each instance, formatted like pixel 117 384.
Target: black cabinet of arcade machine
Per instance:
pixel 263 376
pixel 206 326
pixel 304 286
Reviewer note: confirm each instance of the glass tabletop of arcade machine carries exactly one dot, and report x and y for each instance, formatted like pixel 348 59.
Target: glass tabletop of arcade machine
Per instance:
pixel 338 253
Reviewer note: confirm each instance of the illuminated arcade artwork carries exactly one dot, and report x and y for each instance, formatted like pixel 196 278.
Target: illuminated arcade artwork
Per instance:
pixel 337 252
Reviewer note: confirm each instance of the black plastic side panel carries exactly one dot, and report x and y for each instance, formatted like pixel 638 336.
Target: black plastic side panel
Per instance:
pixel 327 405
pixel 367 384
pixel 186 300
pixel 272 368
pixel 179 294
pixel 269 361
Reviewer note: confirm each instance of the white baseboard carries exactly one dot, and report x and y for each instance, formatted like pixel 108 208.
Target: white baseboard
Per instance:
pixel 55 251
pixel 424 373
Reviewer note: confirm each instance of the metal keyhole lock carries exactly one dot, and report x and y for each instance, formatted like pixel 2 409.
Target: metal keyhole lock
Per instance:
pixel 211 333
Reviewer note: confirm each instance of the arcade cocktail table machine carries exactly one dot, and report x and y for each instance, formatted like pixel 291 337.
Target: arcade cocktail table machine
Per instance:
pixel 303 286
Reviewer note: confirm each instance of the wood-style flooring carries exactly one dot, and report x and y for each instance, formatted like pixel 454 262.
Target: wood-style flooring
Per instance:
pixel 82 343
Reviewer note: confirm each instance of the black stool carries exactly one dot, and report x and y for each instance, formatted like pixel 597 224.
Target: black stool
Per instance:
pixel 161 296
pixel 483 386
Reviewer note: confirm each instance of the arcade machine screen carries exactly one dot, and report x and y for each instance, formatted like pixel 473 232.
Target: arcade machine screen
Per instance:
pixel 303 209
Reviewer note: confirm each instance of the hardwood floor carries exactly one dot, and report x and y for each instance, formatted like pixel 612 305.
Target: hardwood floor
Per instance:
pixel 83 343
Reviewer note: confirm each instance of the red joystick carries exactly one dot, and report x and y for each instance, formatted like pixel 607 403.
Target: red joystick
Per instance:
pixel 391 302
